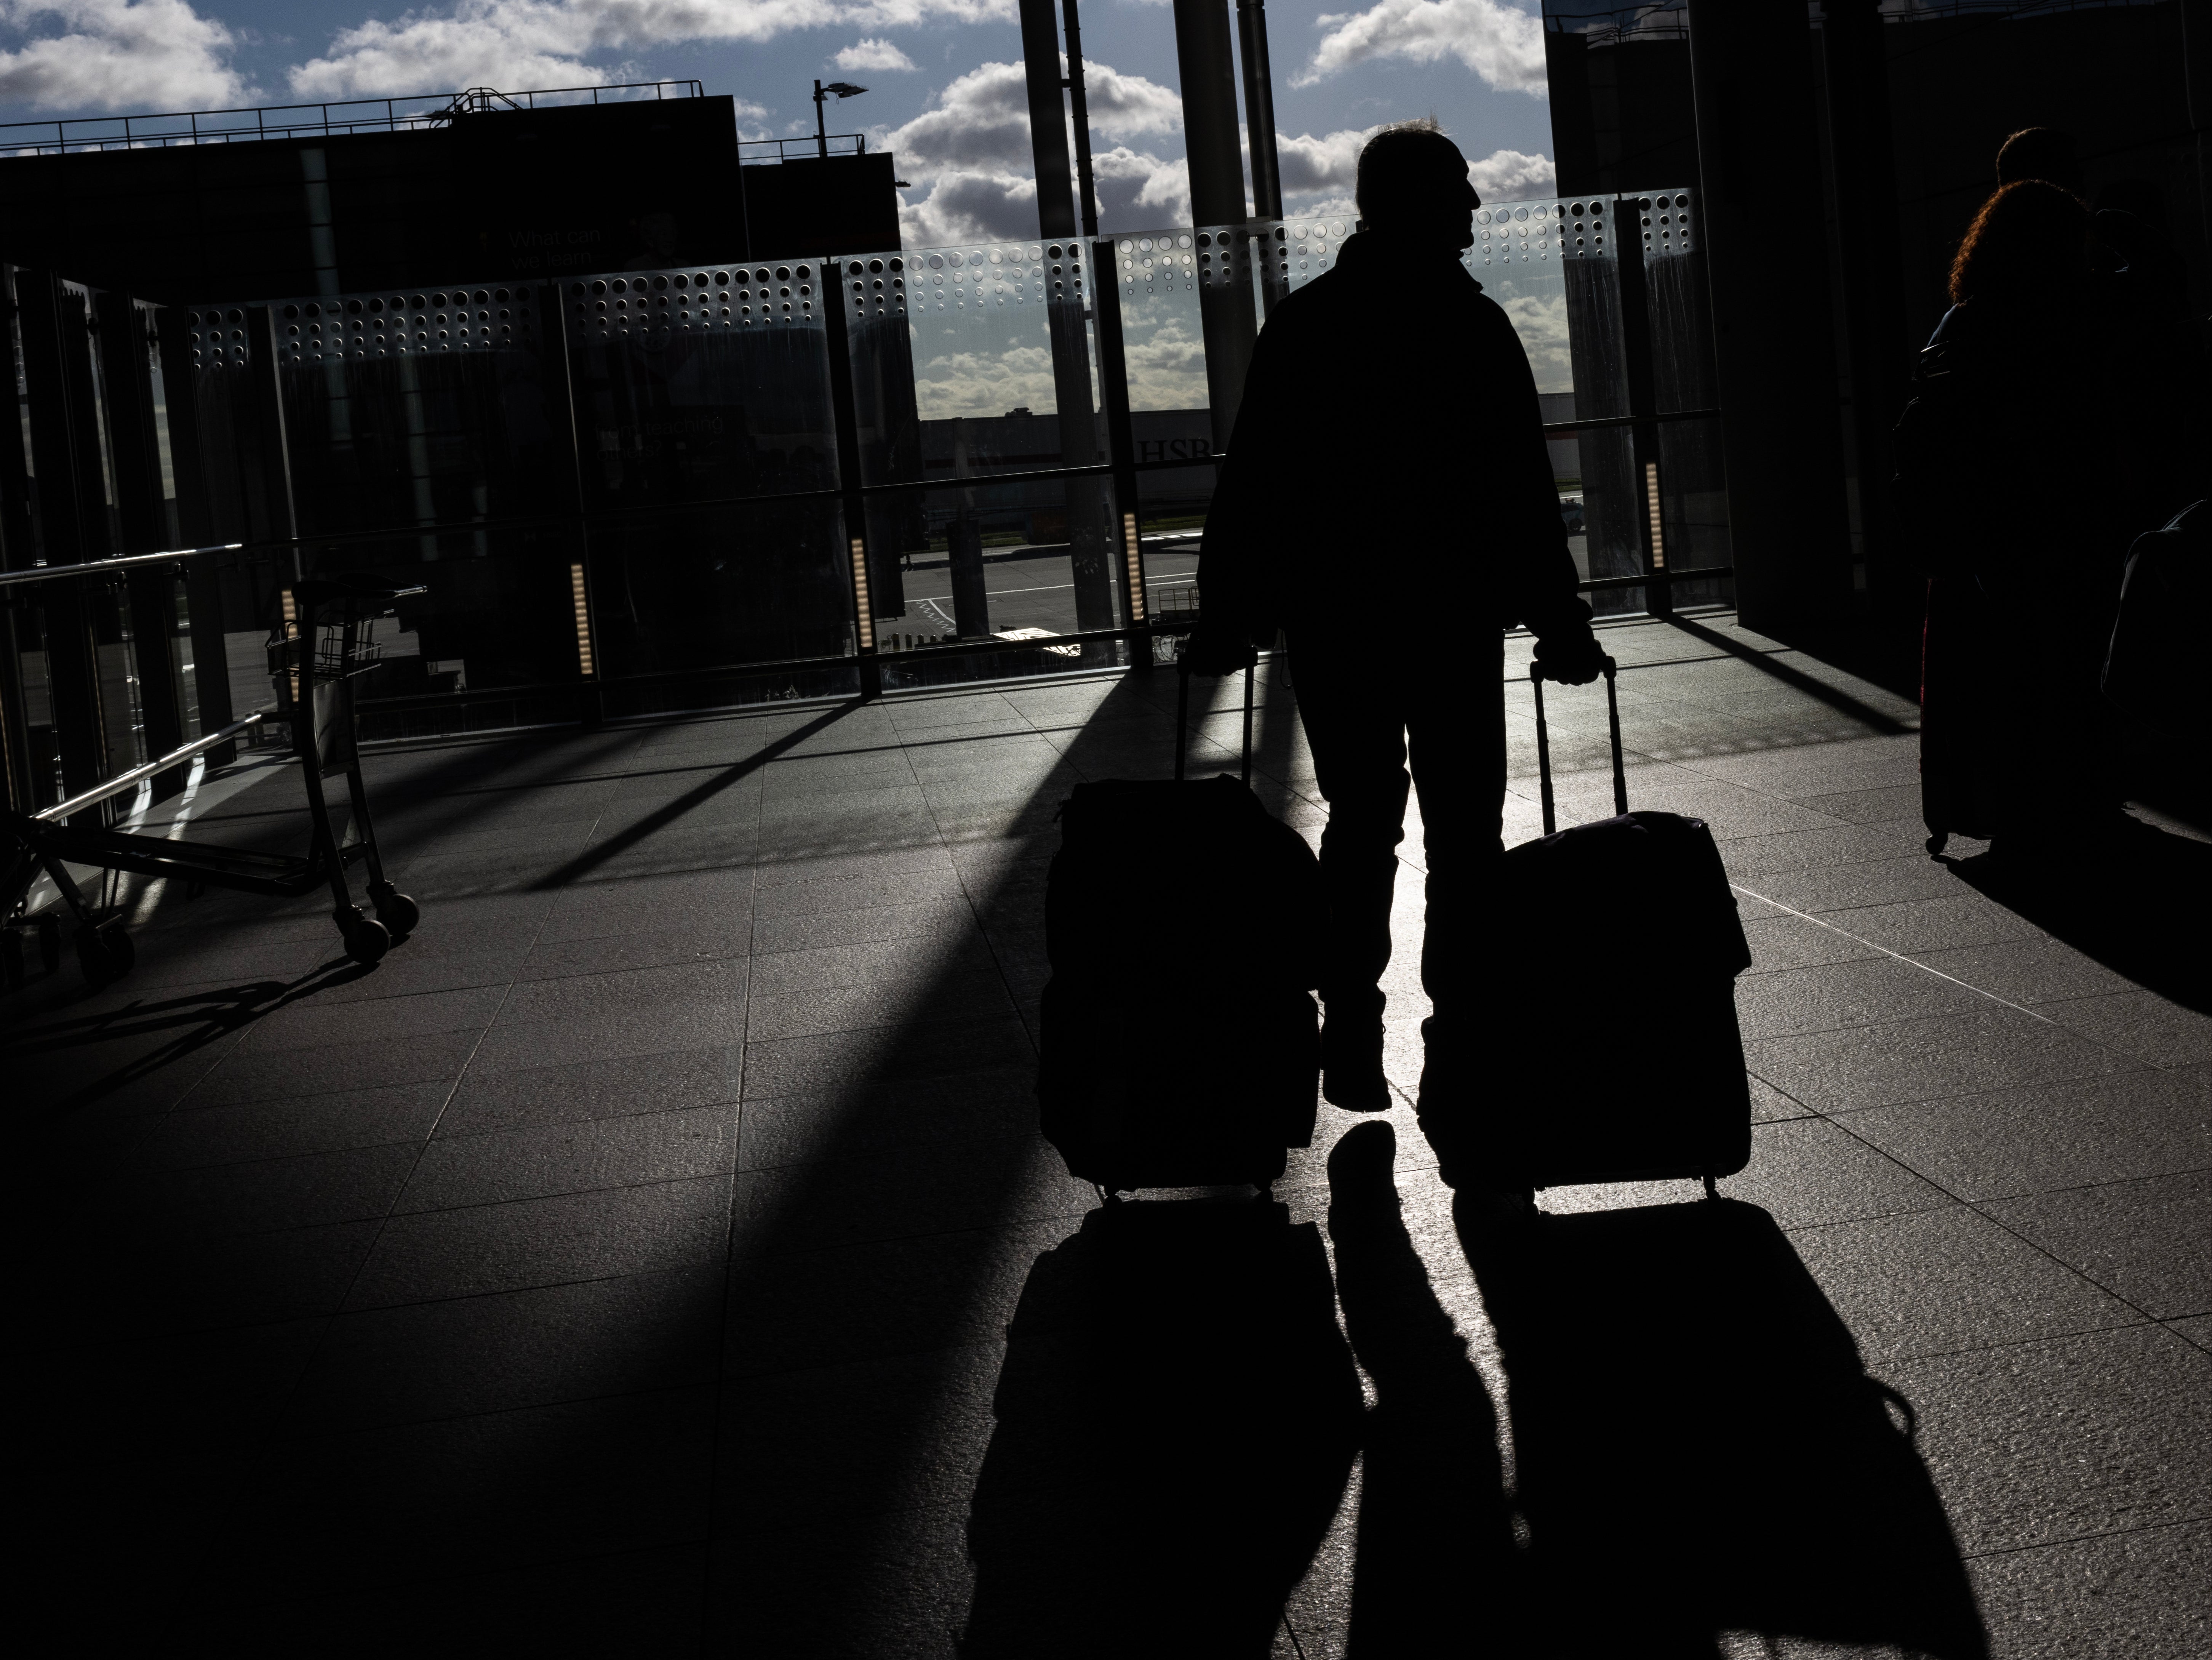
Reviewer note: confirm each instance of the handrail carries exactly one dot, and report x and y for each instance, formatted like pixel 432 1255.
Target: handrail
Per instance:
pixel 443 106
pixel 99 567
pixel 1653 579
pixel 755 150
pixel 124 780
pixel 1553 428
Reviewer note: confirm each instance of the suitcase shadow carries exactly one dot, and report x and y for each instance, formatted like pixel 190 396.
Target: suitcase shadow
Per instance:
pixel 1698 1449
pixel 1177 1417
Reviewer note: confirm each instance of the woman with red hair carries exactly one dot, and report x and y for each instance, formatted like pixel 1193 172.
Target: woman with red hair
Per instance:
pixel 2018 500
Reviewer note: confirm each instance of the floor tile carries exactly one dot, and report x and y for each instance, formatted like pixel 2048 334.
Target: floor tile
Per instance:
pixel 1933 1281
pixel 1830 996
pixel 310 1024
pixel 1803 1172
pixel 1779 941
pixel 258 1195
pixel 2034 1444
pixel 1977 1047
pixel 1918 925
pixel 510 1350
pixel 2144 1239
pixel 546 1241
pixel 495 1098
pixel 2002 1143
pixel 491 1491
pixel 194 1136
pixel 577 1157
pixel 2031 970
pixel 323 1069
pixel 2136 1594
pixel 2139 1024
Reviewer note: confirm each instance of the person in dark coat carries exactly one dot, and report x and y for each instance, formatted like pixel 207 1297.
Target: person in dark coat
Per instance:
pixel 1387 486
pixel 2018 496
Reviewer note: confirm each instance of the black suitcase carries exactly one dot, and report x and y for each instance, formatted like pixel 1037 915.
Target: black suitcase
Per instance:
pixel 1618 1054
pixel 1178 1039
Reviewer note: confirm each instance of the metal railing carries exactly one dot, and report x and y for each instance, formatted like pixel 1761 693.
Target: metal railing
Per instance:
pixel 758 150
pixel 305 120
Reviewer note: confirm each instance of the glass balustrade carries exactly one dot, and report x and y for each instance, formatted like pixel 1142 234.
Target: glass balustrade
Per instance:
pixel 632 479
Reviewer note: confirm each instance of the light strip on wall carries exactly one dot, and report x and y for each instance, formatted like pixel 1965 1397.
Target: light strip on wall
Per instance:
pixel 1651 504
pixel 860 608
pixel 291 632
pixel 1134 554
pixel 583 617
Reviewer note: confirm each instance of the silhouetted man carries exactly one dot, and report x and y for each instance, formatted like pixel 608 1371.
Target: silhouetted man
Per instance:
pixel 1387 502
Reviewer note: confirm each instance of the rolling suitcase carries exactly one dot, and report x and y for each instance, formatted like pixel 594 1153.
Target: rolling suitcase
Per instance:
pixel 1619 1055
pixel 1178 1039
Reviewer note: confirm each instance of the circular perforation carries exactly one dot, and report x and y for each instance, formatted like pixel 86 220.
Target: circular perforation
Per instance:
pixel 1011 275
pixel 657 308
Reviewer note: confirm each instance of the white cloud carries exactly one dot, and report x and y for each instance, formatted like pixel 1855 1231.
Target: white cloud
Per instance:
pixel 1502 44
pixel 525 43
pixel 878 56
pixel 1510 176
pixel 1329 163
pixel 111 54
pixel 1328 167
pixel 970 151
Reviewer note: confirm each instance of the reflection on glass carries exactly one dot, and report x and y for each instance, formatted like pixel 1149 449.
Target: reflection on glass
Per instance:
pixel 720 586
pixel 1000 562
pixel 695 384
pixel 998 375
pixel 980 331
pixel 1159 276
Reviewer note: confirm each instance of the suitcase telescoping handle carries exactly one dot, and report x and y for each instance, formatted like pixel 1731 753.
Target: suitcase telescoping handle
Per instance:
pixel 1544 744
pixel 1183 715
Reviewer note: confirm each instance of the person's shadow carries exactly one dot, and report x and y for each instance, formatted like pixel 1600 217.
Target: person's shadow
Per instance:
pixel 1698 1449
pixel 2141 909
pixel 1437 1570
pixel 1177 1417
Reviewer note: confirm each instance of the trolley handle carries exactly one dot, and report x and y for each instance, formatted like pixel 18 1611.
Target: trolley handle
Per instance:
pixel 1544 744
pixel 1182 714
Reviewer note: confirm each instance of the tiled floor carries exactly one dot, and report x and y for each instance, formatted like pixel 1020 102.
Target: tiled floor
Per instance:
pixel 655 1254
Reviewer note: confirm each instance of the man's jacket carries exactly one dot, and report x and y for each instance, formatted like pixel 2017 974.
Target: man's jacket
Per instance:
pixel 1388 465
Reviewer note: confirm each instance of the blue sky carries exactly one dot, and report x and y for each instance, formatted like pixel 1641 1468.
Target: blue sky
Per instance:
pixel 943 80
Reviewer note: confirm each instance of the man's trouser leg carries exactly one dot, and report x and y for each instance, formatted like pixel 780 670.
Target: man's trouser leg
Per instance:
pixel 1356 729
pixel 1458 751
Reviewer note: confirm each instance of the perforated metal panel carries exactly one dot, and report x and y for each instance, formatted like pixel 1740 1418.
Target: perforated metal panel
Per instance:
pixel 1665 225
pixel 360 327
pixel 1304 248
pixel 658 306
pixel 218 337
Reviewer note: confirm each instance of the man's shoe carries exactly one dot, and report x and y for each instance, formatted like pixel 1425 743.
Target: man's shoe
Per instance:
pixel 1351 1063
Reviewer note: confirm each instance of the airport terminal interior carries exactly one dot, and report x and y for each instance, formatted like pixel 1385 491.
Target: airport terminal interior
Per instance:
pixel 532 786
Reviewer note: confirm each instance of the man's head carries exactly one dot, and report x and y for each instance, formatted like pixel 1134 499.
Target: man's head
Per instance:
pixel 1414 184
pixel 2042 153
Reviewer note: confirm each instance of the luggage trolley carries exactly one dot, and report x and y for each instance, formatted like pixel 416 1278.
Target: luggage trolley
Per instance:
pixel 334 645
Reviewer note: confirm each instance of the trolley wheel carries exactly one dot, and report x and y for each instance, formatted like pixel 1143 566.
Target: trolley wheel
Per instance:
pixel 367 940
pixel 50 942
pixel 105 954
pixel 397 912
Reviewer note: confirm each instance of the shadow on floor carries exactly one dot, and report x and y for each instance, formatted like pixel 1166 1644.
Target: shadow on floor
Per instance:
pixel 1698 1449
pixel 1436 1569
pixel 2142 910
pixel 1175 1421
pixel 1859 653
